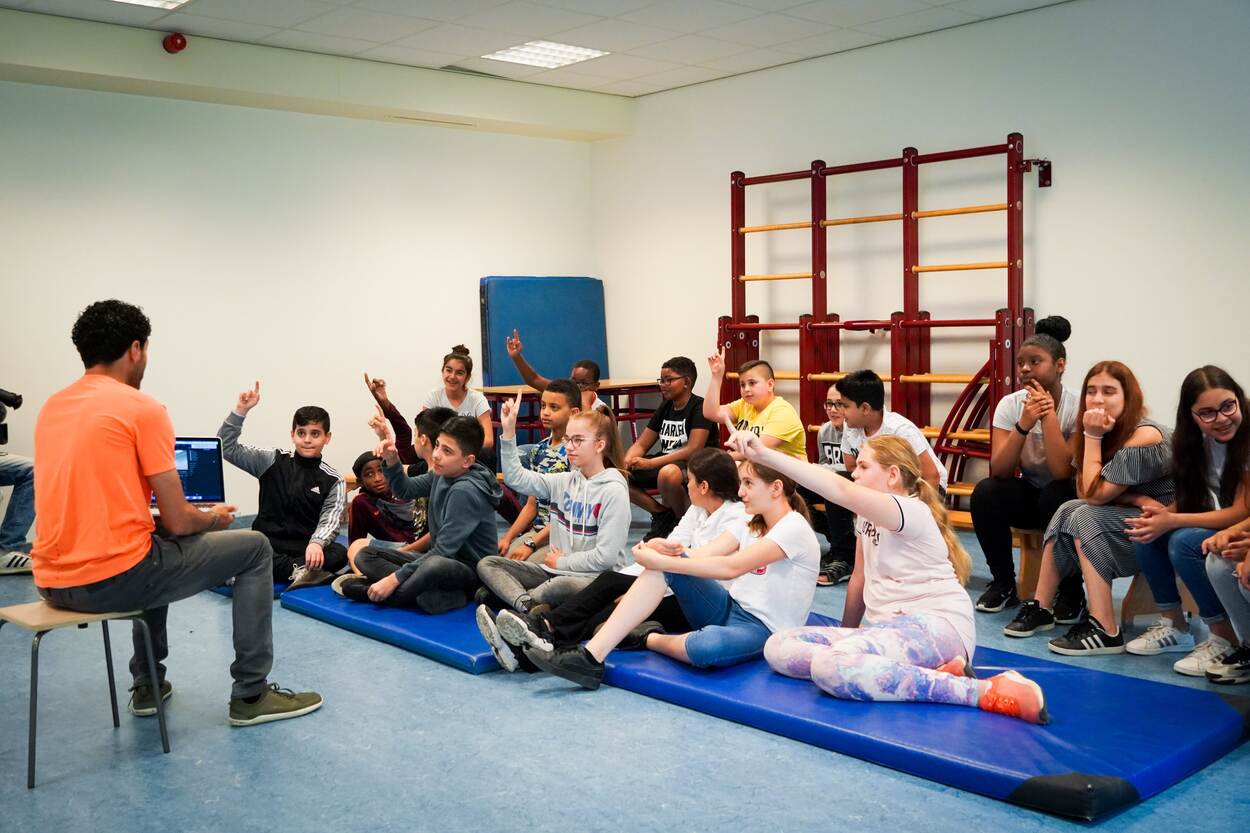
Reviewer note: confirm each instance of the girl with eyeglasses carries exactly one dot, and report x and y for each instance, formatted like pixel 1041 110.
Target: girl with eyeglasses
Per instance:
pixel 1209 467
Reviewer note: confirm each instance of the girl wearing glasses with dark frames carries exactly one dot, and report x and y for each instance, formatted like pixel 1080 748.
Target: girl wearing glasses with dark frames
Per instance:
pixel 1209 467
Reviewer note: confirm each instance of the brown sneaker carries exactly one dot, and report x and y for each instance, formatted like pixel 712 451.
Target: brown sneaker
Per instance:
pixel 275 704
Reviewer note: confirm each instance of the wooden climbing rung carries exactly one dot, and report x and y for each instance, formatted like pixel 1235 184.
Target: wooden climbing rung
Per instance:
pixel 959 267
pixel 975 435
pixel 960 489
pixel 774 227
pixel 835 376
pixel 940 378
pixel 790 276
pixel 779 375
pixel 852 221
pixel 968 209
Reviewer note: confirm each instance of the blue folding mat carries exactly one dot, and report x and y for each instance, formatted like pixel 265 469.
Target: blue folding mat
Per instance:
pixel 1106 748
pixel 450 638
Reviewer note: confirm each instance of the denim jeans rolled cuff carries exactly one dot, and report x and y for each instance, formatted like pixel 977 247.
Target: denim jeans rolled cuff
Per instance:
pixel 19 515
pixel 725 634
pixel 1178 553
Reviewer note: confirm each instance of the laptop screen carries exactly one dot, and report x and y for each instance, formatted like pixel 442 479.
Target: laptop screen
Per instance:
pixel 198 461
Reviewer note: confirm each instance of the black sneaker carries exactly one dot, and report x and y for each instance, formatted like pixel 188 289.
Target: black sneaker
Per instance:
pixel 356 589
pixel 525 630
pixel 1087 639
pixel 1031 619
pixel 997 596
pixel 1234 669
pixel 574 664
pixel 1070 609
pixel 485 596
pixel 142 703
pixel 833 573
pixel 662 525
pixel 636 640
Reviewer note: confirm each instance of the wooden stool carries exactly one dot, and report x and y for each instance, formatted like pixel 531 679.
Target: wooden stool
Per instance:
pixel 1139 600
pixel 1030 543
pixel 41 618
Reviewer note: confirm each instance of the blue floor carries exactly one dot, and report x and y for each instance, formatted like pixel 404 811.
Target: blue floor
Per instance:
pixel 404 743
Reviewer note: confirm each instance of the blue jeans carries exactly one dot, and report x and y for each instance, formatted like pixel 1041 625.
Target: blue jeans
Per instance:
pixel 18 472
pixel 1179 553
pixel 724 634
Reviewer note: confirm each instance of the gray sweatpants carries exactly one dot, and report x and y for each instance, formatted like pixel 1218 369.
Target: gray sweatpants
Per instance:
pixel 513 581
pixel 176 568
pixel 1234 597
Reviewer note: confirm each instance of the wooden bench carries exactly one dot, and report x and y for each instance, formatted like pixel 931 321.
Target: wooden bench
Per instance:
pixel 1139 600
pixel 41 618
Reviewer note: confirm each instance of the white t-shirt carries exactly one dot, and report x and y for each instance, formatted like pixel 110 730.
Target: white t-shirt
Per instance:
pixel 899 426
pixel 474 404
pixel 698 529
pixel 1033 453
pixel 780 594
pixel 908 572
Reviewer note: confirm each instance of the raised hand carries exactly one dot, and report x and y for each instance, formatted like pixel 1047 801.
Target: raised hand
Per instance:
pixel 379 425
pixel 513 344
pixel 716 363
pixel 377 387
pixel 386 450
pixel 248 400
pixel 507 417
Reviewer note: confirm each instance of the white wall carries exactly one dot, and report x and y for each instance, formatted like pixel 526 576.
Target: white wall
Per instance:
pixel 299 250
pixel 1141 105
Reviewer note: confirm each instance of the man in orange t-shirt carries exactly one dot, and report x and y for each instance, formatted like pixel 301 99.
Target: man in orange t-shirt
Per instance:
pixel 103 449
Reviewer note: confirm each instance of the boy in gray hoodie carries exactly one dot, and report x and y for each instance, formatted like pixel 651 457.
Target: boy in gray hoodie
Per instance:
pixel 463 495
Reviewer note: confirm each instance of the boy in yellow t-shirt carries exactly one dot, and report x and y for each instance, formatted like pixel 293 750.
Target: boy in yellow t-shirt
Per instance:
pixel 758 409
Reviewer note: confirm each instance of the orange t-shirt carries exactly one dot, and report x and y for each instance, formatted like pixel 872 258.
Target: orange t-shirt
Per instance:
pixel 96 443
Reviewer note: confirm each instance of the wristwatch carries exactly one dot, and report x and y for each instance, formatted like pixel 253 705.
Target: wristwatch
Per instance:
pixel 529 542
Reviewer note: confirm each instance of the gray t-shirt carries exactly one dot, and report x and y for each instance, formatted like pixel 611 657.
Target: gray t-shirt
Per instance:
pixel 1217 455
pixel 1033 455
pixel 829 440
pixel 474 404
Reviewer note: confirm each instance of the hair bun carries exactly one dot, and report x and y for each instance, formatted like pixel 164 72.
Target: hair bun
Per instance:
pixel 460 350
pixel 1055 326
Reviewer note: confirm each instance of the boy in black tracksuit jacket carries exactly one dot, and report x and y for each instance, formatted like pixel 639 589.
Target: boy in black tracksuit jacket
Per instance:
pixel 302 498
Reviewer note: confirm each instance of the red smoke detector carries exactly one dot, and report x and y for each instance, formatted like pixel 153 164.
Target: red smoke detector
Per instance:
pixel 174 43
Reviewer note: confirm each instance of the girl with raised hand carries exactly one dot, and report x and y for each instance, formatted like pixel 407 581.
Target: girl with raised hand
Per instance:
pixel 1030 432
pixel 1210 464
pixel 1124 464
pixel 772 563
pixel 589 519
pixel 457 395
pixel 907 629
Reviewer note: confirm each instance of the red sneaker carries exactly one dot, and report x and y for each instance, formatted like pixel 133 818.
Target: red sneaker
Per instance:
pixel 1014 695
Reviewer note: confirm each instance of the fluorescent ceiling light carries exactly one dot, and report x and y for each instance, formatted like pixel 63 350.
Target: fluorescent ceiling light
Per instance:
pixel 545 53
pixel 155 4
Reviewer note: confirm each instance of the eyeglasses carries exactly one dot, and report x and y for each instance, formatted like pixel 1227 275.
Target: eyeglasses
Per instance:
pixel 574 440
pixel 584 385
pixel 668 380
pixel 833 404
pixel 1208 415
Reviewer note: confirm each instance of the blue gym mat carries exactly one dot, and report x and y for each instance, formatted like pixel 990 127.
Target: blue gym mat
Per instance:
pixel 450 638
pixel 228 591
pixel 1113 740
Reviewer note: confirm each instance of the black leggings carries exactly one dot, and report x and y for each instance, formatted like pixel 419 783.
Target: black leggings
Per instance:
pixel 577 618
pixel 999 503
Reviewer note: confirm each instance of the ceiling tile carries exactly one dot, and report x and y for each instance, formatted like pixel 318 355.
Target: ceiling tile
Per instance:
pixel 210 27
pixel 995 8
pixel 528 20
pixel 602 8
pixel 101 10
pixel 848 13
pixel 682 76
pixel 839 40
pixel 366 25
pixel 452 37
pixel 619 67
pixel 691 15
pixel 504 69
pixel 392 54
pixel 445 10
pixel 748 61
pixel 771 5
pixel 615 35
pixel 629 88
pixel 689 49
pixel 280 13
pixel 316 42
pixel 918 22
pixel 566 78
pixel 767 30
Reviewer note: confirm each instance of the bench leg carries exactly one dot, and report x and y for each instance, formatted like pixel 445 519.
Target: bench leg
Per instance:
pixel 108 663
pixel 156 683
pixel 34 709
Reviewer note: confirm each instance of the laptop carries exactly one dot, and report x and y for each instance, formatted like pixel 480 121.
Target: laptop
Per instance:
pixel 199 464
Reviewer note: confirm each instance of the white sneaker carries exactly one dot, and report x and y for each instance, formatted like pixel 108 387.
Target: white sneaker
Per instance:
pixel 1206 655
pixel 304 577
pixel 337 584
pixel 1161 638
pixel 14 562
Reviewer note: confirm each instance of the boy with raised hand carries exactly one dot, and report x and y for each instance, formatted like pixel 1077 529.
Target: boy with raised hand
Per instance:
pixel 462 496
pixel 680 429
pixel 862 398
pixel 585 373
pixel 301 497
pixel 560 403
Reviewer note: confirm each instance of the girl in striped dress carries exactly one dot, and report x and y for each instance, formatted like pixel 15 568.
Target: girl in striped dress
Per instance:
pixel 1123 462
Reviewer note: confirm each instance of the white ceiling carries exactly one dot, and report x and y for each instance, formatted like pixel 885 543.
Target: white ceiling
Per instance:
pixel 655 45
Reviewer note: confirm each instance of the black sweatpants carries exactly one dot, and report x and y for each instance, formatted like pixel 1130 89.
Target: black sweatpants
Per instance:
pixel 439 584
pixel 576 619
pixel 287 556
pixel 999 503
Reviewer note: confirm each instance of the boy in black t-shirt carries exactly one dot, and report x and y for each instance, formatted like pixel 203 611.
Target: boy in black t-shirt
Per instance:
pixel 680 429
